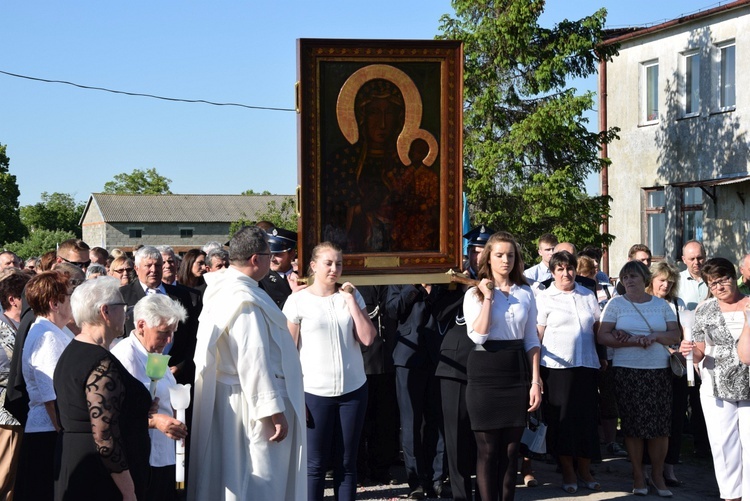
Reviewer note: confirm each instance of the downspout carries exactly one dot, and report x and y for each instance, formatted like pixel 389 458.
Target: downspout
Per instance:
pixel 604 153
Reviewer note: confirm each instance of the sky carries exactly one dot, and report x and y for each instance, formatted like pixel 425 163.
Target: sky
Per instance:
pixel 66 139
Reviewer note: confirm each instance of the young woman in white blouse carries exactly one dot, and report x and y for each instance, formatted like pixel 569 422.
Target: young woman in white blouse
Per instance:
pixel 503 370
pixel 328 324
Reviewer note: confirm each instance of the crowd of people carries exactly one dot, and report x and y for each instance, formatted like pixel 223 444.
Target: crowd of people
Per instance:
pixel 294 380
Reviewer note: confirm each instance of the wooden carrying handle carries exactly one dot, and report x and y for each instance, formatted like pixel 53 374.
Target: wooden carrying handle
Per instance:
pixel 460 278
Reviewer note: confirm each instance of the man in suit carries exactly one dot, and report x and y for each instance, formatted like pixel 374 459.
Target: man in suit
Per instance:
pixel 148 268
pixel 281 280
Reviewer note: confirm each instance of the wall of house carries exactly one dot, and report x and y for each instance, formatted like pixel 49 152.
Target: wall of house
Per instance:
pixel 165 234
pixel 677 148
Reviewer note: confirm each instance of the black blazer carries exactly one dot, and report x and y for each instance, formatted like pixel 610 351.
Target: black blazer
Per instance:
pixel 378 357
pixel 277 287
pixel 183 342
pixel 419 316
pixel 456 345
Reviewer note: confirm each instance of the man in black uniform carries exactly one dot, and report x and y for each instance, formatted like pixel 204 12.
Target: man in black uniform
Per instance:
pixel 281 280
pixel 460 444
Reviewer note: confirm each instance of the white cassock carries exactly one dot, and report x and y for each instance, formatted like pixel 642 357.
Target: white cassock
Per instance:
pixel 247 368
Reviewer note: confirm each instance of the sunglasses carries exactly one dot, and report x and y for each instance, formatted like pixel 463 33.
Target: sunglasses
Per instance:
pixel 80 264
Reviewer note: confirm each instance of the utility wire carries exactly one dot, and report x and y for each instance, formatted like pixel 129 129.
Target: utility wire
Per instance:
pixel 138 94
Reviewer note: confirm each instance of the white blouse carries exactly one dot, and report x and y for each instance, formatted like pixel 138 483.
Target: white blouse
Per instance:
pixel 512 317
pixel 329 352
pixel 568 318
pixel 44 344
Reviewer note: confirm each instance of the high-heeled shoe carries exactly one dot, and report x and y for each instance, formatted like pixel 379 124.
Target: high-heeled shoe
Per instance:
pixel 570 488
pixel 592 486
pixel 663 493
pixel 640 491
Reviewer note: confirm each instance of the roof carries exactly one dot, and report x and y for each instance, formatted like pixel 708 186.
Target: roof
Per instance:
pixel 180 208
pixel 623 34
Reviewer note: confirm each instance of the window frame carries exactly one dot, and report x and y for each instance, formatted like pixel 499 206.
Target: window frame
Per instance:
pixel 720 84
pixel 685 208
pixel 139 231
pixel 689 79
pixel 191 230
pixel 649 210
pixel 646 66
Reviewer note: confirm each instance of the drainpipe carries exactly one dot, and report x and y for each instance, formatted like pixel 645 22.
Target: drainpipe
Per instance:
pixel 604 175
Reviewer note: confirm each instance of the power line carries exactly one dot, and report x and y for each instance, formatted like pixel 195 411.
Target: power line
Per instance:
pixel 138 94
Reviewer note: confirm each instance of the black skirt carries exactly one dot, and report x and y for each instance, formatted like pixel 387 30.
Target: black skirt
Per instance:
pixel 497 393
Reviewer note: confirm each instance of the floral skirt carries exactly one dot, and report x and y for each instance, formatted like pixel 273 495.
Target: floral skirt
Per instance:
pixel 644 399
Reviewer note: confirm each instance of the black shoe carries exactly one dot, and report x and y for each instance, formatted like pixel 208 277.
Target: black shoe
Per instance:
pixel 672 482
pixel 417 493
pixel 442 490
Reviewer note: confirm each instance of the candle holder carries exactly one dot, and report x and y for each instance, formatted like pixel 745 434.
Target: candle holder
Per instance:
pixel 179 396
pixel 156 367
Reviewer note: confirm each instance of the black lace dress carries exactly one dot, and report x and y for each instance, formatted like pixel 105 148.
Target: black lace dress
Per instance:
pixel 104 415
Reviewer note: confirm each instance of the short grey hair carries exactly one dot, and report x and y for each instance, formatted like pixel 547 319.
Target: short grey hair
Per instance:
pixel 224 255
pixel 90 296
pixel 165 249
pixel 147 252
pixel 95 269
pixel 158 309
pixel 247 241
pixel 213 244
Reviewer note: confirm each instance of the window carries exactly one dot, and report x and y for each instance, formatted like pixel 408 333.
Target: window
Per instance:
pixel 692 83
pixel 135 232
pixel 726 77
pixel 656 220
pixel 692 214
pixel 186 233
pixel 650 92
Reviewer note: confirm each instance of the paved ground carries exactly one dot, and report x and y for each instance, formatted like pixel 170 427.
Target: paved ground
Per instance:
pixel 613 473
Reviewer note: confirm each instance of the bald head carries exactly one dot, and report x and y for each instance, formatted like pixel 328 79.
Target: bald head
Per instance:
pixel 566 246
pixel 745 268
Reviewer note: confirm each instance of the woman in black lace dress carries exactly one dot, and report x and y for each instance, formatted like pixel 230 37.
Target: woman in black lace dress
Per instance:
pixel 103 409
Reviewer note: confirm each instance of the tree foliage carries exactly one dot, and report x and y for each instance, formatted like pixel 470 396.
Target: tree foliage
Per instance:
pixel 139 182
pixel 282 216
pixel 527 151
pixel 11 227
pixel 39 242
pixel 56 211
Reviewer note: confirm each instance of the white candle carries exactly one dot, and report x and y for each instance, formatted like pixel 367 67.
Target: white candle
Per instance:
pixel 180 397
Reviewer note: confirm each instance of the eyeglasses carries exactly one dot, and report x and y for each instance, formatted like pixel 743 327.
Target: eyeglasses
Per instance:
pixel 122 270
pixel 722 282
pixel 80 264
pixel 124 305
pixel 261 254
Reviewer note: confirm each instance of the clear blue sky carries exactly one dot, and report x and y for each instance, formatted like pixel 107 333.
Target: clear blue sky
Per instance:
pixel 65 139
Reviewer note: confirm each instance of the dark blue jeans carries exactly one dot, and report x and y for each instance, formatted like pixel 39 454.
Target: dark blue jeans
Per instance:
pixel 333 432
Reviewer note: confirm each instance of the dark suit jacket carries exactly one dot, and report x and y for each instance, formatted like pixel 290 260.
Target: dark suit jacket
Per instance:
pixel 183 342
pixel 277 287
pixel 378 357
pixel 456 345
pixel 419 327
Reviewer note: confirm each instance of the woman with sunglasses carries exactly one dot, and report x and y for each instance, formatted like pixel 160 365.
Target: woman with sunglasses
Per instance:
pixel 725 392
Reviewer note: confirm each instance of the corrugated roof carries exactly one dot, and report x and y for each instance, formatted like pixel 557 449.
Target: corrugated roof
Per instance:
pixel 181 208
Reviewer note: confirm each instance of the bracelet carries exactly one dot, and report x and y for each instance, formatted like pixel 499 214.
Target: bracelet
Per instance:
pixel 541 387
pixel 488 299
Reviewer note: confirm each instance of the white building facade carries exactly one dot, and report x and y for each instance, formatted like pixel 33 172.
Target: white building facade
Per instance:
pixel 681 168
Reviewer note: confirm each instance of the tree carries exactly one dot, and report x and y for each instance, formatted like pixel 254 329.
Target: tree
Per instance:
pixel 283 216
pixel 139 182
pixel 11 227
pixel 56 211
pixel 527 151
pixel 39 242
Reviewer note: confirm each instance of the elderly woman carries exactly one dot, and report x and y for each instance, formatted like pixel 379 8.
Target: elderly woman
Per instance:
pixel 567 320
pixel 725 392
pixel 104 410
pixel 12 283
pixel 503 370
pixel 48 295
pixel 665 282
pixel 156 318
pixel 122 269
pixel 639 326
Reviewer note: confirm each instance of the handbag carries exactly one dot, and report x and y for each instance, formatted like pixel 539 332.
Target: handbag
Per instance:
pixel 675 363
pixel 534 438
